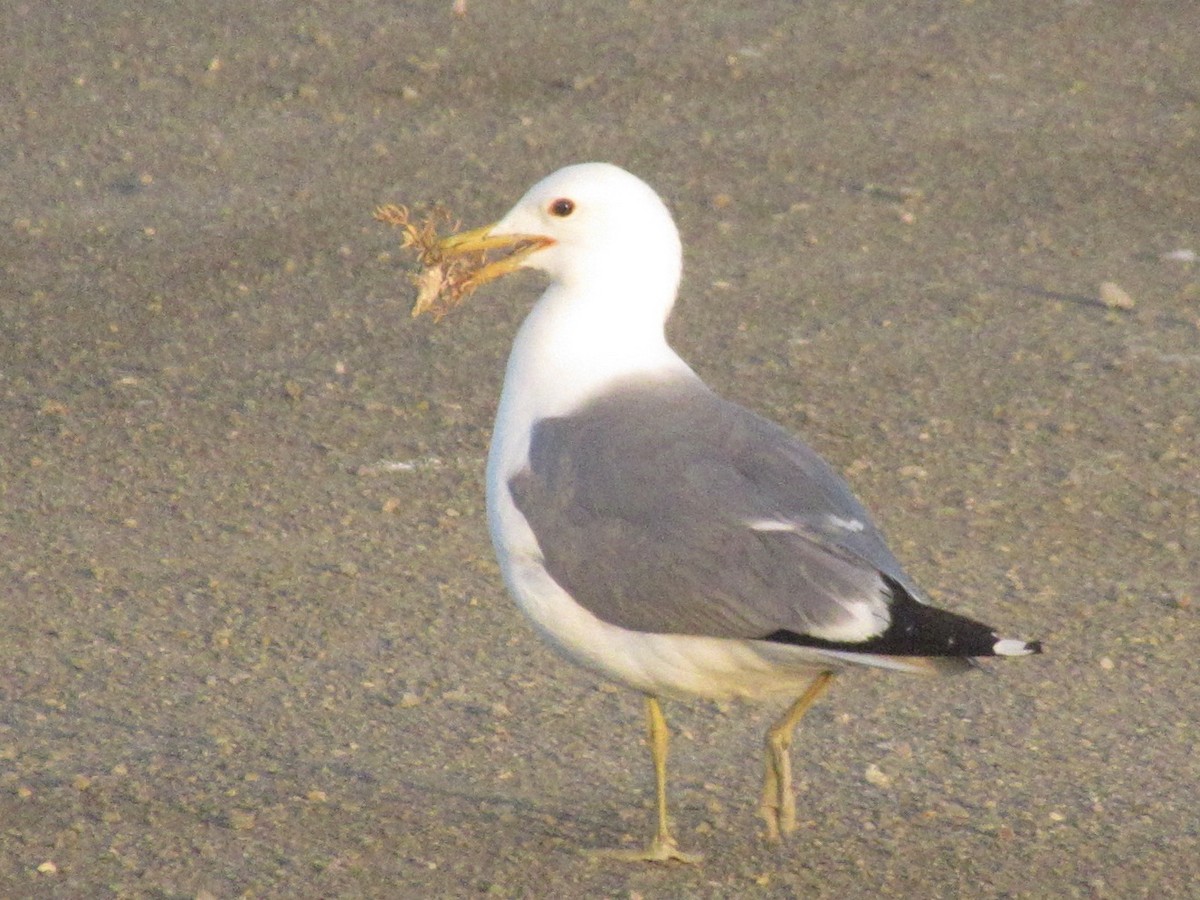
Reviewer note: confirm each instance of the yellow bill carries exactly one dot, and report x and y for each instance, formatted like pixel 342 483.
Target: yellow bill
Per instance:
pixel 481 241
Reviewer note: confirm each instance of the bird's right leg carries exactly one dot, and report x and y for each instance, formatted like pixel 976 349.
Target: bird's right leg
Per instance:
pixel 663 847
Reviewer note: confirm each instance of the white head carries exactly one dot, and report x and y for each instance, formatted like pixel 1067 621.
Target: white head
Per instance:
pixel 608 229
pixel 613 255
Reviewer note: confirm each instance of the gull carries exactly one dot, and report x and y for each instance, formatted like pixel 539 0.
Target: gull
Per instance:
pixel 662 536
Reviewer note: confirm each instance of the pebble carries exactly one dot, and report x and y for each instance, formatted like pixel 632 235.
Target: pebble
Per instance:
pixel 241 821
pixel 877 776
pixel 1114 296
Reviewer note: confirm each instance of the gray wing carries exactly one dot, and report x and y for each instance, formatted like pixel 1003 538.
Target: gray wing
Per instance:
pixel 661 507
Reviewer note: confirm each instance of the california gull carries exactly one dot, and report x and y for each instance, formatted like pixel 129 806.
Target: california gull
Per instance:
pixel 657 534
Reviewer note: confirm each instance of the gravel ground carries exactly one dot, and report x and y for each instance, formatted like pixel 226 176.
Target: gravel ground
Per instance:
pixel 254 641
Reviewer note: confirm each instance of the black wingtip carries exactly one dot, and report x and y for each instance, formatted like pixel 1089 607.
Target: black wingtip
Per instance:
pixel 921 630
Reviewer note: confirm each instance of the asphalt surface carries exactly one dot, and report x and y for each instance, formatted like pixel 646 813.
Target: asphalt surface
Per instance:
pixel 254 643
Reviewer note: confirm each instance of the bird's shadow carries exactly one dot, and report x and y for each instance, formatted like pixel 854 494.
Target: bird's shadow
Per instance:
pixel 1033 290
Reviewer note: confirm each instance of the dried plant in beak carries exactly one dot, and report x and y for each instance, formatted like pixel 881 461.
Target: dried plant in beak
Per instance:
pixel 454 265
pixel 443 280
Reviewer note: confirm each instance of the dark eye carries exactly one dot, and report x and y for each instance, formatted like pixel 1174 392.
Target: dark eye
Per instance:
pixel 562 207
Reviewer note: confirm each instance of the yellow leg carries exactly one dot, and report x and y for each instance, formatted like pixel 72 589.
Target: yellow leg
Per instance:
pixel 663 847
pixel 778 806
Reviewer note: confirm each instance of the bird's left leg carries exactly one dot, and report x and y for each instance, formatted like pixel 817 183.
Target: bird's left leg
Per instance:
pixel 778 806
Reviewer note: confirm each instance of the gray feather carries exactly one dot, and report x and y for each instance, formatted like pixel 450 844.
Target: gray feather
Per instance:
pixel 643 501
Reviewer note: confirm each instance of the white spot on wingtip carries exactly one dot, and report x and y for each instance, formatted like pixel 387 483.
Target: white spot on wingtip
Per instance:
pixel 1011 647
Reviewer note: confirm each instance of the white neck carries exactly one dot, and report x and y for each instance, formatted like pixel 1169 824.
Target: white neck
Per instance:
pixel 568 350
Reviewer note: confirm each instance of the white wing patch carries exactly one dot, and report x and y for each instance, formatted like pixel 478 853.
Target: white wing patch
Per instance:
pixel 853 525
pixel 864 620
pixel 770 525
pixel 837 522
